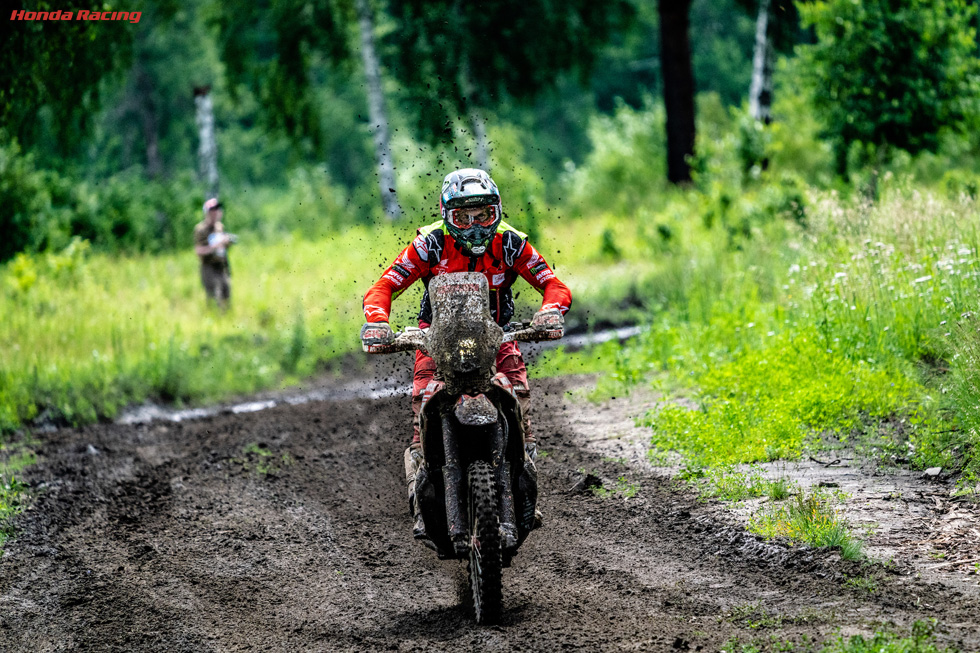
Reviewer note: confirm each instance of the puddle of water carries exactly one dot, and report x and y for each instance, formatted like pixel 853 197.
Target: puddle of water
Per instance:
pixel 149 412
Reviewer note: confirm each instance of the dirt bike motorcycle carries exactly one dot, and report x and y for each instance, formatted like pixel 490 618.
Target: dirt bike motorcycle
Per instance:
pixel 476 488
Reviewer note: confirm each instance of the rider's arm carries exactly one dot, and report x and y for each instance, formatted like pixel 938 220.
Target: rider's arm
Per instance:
pixel 536 271
pixel 407 268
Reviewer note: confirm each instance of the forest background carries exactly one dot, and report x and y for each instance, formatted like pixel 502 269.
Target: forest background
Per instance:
pixel 778 192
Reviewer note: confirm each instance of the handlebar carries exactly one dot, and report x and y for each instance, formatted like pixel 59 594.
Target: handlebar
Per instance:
pixel 413 338
pixel 529 334
pixel 407 340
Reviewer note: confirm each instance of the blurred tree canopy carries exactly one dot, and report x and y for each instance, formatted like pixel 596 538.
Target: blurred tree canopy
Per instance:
pixel 453 56
pixel 97 133
pixel 891 73
pixel 57 67
pixel 269 48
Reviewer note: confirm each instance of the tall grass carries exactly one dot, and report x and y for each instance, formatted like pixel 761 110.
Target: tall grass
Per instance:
pixel 84 334
pixel 855 320
pixel 808 518
pixel 82 340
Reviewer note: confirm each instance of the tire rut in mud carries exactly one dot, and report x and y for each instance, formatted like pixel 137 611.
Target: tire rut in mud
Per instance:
pixel 288 529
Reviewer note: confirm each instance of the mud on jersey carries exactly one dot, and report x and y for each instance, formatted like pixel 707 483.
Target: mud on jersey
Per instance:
pixel 434 252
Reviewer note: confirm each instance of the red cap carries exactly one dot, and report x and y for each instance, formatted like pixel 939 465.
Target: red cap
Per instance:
pixel 212 203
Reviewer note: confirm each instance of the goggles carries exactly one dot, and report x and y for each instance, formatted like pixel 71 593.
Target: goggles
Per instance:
pixel 481 216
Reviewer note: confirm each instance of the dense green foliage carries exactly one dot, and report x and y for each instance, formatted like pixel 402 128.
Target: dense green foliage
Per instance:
pixel 890 73
pixel 290 102
pixel 270 49
pixel 440 51
pixel 58 66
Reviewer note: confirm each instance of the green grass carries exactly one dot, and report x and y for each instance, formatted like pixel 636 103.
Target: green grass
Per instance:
pixel 623 489
pixel 13 492
pixel 862 583
pixel 766 404
pixel 12 495
pixel 728 484
pixel 791 512
pixel 921 640
pixel 855 331
pixel 811 519
pixel 856 328
pixel 86 334
pixel 257 457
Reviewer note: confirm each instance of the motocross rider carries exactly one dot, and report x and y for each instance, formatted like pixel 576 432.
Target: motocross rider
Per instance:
pixel 470 237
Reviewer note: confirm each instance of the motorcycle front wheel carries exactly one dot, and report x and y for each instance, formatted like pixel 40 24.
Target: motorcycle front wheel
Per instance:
pixel 485 562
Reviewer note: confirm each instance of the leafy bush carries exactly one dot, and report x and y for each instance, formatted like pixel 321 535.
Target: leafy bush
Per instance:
pixel 627 165
pixel 28 221
pixel 124 213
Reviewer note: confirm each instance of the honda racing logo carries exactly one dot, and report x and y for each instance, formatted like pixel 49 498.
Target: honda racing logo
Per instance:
pixel 130 16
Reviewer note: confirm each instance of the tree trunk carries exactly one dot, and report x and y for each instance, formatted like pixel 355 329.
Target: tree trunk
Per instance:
pixel 760 91
pixel 880 158
pixel 148 119
pixel 207 151
pixel 477 122
pixel 482 141
pixel 376 112
pixel 675 55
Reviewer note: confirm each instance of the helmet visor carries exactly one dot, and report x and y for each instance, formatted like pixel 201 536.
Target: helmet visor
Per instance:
pixel 481 216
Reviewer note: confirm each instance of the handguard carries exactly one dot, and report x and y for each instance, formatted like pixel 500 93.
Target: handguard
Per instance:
pixel 410 339
pixel 548 320
pixel 548 324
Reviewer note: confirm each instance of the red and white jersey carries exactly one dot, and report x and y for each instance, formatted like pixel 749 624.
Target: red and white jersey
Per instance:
pixel 435 252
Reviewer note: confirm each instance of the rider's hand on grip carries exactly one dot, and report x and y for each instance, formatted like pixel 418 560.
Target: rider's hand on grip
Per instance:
pixel 549 319
pixel 377 333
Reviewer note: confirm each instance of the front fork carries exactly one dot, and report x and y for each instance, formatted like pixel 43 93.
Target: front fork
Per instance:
pixel 501 468
pixel 452 477
pixel 452 474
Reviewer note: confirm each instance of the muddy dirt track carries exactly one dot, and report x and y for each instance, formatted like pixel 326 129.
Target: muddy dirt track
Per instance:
pixel 172 537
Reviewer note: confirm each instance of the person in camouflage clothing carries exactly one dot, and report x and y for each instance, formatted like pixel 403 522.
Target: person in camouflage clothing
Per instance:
pixel 211 246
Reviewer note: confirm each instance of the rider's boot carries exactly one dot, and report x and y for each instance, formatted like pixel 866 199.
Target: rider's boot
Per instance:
pixel 413 460
pixel 531 451
pixel 530 443
pixel 508 536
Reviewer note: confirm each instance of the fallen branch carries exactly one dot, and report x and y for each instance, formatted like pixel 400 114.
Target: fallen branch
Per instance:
pixel 955 562
pixel 825 464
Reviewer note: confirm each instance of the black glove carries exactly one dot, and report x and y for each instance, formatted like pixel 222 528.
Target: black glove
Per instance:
pixel 548 319
pixel 377 333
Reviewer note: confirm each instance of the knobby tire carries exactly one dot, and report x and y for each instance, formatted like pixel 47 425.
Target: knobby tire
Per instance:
pixel 485 563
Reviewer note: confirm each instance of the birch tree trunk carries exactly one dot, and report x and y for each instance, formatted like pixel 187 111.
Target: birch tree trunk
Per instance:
pixel 482 141
pixel 476 119
pixel 207 152
pixel 376 113
pixel 760 91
